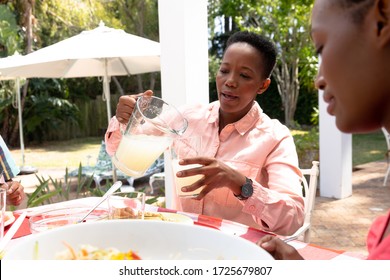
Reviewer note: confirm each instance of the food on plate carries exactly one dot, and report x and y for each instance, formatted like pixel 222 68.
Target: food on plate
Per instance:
pixel 124 213
pixel 153 216
pixel 9 218
pixel 6 218
pixel 128 213
pixel 89 252
pixel 168 217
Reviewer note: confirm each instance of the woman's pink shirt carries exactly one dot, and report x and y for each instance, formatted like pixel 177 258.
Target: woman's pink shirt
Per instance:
pixel 378 247
pixel 260 148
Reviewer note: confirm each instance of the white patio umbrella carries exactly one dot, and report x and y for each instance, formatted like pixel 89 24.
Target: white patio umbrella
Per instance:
pixel 101 52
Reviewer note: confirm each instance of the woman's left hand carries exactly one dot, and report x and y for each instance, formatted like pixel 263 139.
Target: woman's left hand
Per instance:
pixel 278 248
pixel 216 174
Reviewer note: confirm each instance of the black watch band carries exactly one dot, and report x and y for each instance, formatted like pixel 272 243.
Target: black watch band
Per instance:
pixel 246 190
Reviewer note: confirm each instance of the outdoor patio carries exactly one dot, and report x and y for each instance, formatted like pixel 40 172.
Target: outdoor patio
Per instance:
pixel 343 224
pixel 337 224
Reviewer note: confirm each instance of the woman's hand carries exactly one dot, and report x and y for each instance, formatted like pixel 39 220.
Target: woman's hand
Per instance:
pixel 126 105
pixel 15 193
pixel 216 174
pixel 278 249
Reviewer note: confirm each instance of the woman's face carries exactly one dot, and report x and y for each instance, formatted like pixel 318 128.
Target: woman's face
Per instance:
pixel 352 71
pixel 239 80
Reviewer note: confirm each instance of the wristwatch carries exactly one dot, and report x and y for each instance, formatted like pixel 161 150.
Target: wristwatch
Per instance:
pixel 246 190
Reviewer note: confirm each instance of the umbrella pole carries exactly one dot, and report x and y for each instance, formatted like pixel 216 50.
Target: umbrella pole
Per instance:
pixel 107 96
pixel 23 169
pixel 17 88
pixel 106 92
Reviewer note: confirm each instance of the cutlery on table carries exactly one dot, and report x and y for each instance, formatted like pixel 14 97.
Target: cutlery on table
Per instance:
pixel 113 189
pixel 289 239
pixel 11 232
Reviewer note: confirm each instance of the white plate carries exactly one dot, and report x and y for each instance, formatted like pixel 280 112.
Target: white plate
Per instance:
pixel 11 218
pixel 151 240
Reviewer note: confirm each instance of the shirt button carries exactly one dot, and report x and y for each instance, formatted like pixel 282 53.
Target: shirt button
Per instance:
pixel 252 208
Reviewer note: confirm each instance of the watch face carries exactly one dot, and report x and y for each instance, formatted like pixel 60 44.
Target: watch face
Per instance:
pixel 247 189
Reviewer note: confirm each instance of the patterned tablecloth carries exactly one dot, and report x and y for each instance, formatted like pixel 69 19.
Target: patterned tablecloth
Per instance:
pixel 308 251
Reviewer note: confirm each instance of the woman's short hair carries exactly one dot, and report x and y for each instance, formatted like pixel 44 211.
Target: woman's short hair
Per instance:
pixel 264 46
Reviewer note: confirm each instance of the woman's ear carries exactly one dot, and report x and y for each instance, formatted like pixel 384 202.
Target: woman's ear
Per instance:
pixel 382 17
pixel 264 86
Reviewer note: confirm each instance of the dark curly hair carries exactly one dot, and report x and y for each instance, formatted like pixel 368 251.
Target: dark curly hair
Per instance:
pixel 264 46
pixel 358 8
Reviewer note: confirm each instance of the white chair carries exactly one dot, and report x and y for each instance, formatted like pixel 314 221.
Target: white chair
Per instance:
pixel 310 190
pixel 387 137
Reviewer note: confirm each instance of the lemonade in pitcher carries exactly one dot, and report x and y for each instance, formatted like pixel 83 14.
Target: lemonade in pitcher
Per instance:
pixel 136 153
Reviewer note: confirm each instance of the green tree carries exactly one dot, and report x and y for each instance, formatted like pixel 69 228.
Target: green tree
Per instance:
pixel 42 23
pixel 56 20
pixel 10 39
pixel 286 22
pixel 141 18
pixel 10 42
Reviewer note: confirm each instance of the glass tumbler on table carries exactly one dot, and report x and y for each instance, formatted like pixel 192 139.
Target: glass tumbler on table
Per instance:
pixel 186 147
pixel 126 205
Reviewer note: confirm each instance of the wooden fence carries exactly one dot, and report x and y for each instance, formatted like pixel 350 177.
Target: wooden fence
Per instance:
pixel 93 120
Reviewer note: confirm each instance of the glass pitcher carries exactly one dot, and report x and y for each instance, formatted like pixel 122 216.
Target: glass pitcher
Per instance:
pixel 151 129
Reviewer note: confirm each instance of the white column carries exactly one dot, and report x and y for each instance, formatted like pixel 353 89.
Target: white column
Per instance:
pixel 184 59
pixel 335 157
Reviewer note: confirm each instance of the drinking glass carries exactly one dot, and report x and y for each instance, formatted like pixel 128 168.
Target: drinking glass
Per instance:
pixel 126 205
pixel 3 193
pixel 186 147
pixel 151 129
pixel 60 217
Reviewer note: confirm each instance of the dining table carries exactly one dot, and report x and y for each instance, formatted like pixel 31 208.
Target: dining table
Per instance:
pixel 307 250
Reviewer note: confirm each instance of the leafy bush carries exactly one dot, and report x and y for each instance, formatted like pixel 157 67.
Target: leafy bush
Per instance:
pixel 45 113
pixel 47 193
pixel 51 191
pixel 307 145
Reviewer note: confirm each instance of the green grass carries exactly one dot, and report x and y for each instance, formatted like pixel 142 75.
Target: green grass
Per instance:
pixel 60 154
pixel 366 148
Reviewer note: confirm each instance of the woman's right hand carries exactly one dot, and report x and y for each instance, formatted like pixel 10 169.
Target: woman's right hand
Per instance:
pixel 15 193
pixel 126 105
pixel 278 248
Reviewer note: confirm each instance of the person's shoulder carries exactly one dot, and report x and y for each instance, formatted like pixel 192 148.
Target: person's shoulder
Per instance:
pixel 273 127
pixel 196 109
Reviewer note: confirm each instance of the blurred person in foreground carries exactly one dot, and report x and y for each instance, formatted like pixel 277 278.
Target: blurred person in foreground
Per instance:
pixel 8 170
pixel 242 147
pixel 352 38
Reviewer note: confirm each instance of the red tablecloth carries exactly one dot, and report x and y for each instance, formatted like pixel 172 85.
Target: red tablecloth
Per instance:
pixel 22 231
pixel 308 251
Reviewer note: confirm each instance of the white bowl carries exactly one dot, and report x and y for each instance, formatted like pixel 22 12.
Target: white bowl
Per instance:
pixel 151 240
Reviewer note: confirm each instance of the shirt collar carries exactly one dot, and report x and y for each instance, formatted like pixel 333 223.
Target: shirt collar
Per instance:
pixel 242 125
